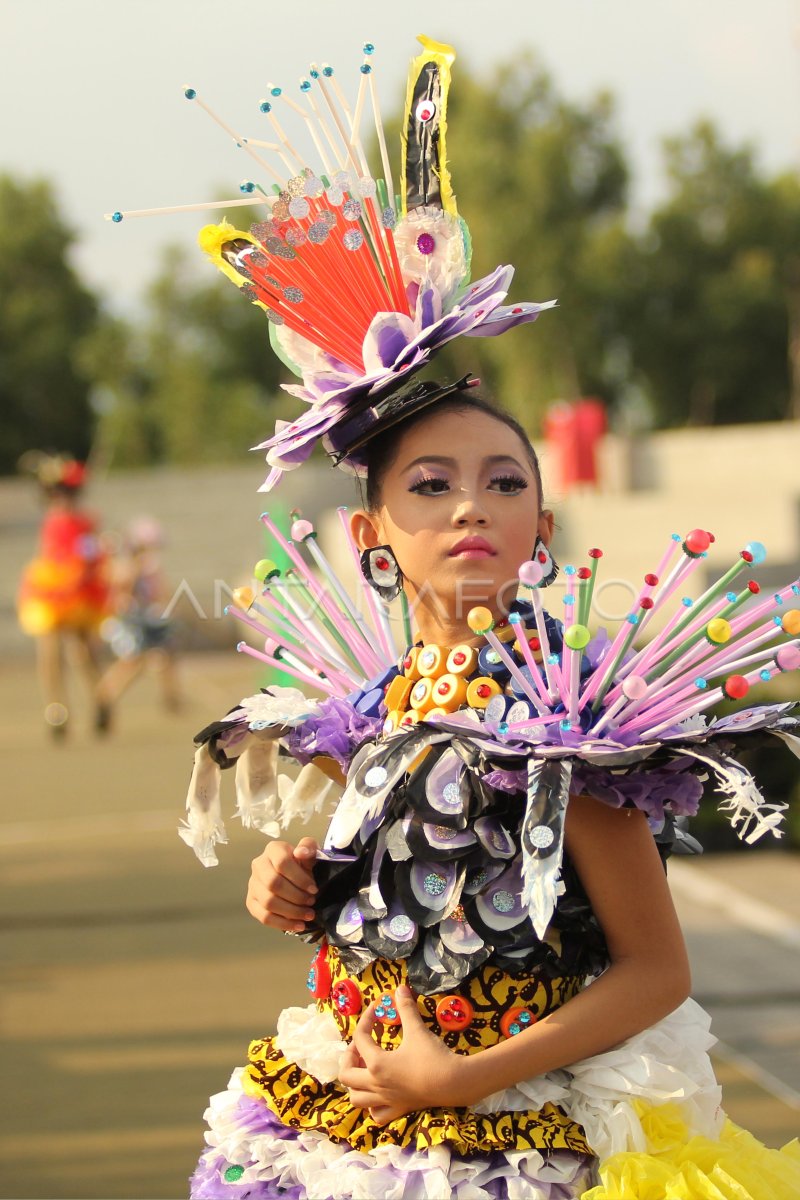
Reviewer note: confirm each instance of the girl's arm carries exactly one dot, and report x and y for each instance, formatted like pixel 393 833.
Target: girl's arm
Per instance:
pixel 619 866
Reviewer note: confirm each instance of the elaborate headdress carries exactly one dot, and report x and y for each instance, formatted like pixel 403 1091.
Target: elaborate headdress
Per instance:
pixel 361 286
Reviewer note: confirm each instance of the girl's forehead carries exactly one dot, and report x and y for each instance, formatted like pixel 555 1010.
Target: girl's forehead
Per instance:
pixel 459 437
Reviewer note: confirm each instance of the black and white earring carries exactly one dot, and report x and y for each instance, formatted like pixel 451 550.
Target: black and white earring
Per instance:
pixel 381 571
pixel 544 558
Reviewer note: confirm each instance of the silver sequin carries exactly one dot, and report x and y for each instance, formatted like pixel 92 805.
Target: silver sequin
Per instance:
pixel 503 901
pixel 376 776
pixel 542 836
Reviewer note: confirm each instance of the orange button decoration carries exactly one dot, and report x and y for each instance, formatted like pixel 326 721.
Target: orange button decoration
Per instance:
pixel 346 998
pixel 393 720
pixel 504 630
pixel 515 1021
pixel 481 690
pixel 386 1010
pixel 431 660
pixel 450 692
pixel 422 697
pixel 408 665
pixel 397 692
pixel 462 660
pixel 454 1013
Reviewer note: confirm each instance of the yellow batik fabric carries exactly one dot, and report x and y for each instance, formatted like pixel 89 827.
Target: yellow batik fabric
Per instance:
pixel 303 1103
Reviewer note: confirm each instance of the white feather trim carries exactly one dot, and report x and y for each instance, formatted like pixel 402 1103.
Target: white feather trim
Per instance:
pixel 257 786
pixel 203 827
pixel 304 796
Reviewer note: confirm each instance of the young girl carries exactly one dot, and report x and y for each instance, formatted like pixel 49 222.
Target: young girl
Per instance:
pixel 452 1050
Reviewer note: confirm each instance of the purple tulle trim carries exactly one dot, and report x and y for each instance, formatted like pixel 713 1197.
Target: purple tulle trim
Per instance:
pixel 254 1119
pixel 337 729
pixel 672 786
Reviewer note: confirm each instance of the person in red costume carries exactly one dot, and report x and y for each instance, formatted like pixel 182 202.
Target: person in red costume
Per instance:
pixel 63 593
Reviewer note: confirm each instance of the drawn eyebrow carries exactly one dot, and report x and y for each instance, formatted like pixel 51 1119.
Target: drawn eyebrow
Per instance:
pixel 445 461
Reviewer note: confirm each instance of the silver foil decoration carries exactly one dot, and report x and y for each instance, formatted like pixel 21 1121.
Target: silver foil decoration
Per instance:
pixel 548 795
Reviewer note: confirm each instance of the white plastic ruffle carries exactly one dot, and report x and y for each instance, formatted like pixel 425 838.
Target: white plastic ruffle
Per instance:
pixel 667 1063
pixel 312 1040
pixel 334 1170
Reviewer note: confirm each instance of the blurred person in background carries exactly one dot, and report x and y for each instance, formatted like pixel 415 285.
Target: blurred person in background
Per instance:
pixel 63 595
pixel 138 633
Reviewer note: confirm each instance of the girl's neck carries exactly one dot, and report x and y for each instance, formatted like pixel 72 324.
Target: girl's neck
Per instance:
pixel 433 622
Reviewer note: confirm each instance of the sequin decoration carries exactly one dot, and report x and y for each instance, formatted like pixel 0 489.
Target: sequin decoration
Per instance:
pixel 478 878
pixel 352 210
pixel 295 237
pixel 261 230
pixel 335 196
pixel 367 186
pixel 280 211
pixel 451 794
pixel 458 914
pixel 542 836
pixel 376 776
pixel 353 239
pixel 434 884
pixel 401 926
pixel 299 208
pixel 444 833
pixel 318 232
pixel 296 186
pixel 274 316
pixel 388 218
pixel 503 901
pixel 327 217
pixel 341 179
pixel 233 1174
pixel 426 243
pixel 314 187
pixel 293 294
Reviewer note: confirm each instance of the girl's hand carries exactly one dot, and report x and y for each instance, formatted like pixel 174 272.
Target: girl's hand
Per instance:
pixel 281 890
pixel 420 1073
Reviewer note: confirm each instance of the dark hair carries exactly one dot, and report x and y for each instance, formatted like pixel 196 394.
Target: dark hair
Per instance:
pixel 382 450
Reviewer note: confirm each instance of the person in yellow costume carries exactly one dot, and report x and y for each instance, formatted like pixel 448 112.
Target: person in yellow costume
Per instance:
pixel 64 593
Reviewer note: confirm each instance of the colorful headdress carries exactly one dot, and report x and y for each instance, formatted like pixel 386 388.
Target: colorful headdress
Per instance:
pixel 361 286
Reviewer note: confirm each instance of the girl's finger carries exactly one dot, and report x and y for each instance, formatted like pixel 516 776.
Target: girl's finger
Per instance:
pixel 362 1099
pixel 362 1038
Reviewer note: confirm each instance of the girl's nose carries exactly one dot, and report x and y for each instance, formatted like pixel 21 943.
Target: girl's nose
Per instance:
pixel 469 511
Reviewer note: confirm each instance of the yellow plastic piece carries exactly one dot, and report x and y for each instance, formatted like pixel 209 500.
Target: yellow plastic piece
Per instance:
pixel 444 57
pixel 398 692
pixel 474 689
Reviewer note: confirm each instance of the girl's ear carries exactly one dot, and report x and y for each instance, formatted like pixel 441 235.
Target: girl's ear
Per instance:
pixel 546 525
pixel 365 530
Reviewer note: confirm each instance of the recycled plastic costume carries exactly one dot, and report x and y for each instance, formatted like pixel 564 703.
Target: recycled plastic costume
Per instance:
pixel 450 768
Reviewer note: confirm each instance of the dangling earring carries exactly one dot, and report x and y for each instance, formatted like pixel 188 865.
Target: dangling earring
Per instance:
pixel 382 572
pixel 549 566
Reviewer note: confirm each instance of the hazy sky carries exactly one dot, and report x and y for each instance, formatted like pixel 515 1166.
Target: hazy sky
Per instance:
pixel 91 90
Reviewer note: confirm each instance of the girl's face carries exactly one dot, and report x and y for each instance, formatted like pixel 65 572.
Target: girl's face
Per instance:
pixel 461 510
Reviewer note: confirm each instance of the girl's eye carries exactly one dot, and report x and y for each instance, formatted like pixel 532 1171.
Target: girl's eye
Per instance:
pixel 429 485
pixel 510 484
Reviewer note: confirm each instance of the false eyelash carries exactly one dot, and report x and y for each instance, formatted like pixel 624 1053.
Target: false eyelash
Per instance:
pixel 426 479
pixel 515 479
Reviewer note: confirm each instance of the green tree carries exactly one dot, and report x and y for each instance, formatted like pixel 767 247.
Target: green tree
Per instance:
pixel 45 311
pixel 195 380
pixel 712 288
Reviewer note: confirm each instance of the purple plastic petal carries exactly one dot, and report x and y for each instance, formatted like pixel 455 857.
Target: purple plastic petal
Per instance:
pixel 386 338
pixel 504 318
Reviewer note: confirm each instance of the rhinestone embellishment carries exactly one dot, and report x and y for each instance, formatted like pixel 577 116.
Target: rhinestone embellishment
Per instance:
pixel 503 901
pixel 375 776
pixel 451 793
pixel 434 884
pixel 542 837
pixel 401 926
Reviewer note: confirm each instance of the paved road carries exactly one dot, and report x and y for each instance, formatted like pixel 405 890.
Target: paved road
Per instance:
pixel 134 978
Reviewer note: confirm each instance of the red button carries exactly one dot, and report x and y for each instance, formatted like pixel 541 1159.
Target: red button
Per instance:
pixel 319 977
pixel 454 1012
pixel 346 998
pixel 515 1021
